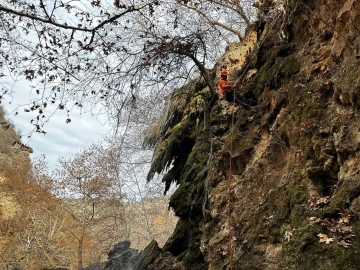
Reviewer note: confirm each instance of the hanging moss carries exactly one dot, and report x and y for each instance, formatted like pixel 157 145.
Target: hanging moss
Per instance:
pixel 186 199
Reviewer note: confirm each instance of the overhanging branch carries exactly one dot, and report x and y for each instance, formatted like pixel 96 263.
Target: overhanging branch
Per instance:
pixel 212 22
pixel 65 26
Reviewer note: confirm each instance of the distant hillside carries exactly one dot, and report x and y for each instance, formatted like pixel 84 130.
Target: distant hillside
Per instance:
pixel 39 231
pixel 14 170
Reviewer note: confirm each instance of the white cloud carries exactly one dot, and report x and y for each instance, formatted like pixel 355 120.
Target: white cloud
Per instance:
pixel 61 139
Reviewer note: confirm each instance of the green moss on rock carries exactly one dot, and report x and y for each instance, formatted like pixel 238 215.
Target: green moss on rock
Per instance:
pixel 304 251
pixel 278 66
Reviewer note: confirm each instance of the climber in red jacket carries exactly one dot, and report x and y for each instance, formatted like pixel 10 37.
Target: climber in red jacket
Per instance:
pixel 228 91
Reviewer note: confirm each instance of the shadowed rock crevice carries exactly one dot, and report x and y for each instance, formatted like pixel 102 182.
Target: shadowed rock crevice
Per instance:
pixel 180 152
pixel 325 183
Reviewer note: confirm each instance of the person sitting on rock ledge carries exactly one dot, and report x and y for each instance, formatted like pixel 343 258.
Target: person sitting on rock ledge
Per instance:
pixel 228 91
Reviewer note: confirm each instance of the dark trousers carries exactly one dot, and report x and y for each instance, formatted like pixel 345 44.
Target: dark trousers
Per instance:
pixel 234 97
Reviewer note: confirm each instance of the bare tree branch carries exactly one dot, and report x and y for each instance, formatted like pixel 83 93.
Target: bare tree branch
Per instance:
pixel 238 8
pixel 212 22
pixel 64 25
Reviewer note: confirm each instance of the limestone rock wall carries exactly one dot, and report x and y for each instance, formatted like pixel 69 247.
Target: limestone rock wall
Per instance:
pixel 279 185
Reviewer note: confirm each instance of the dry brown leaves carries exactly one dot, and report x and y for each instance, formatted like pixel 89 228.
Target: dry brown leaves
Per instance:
pixel 317 203
pixel 339 228
pixel 288 234
pixel 325 239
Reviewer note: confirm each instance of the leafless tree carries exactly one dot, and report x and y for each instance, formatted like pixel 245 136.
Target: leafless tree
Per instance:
pixel 89 194
pixel 231 16
pixel 73 52
pixel 109 56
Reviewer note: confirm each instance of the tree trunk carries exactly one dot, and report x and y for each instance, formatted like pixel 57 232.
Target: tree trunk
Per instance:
pixel 211 100
pixel 80 251
pixel 207 112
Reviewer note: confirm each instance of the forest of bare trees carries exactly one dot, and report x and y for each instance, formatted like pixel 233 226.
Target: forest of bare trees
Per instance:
pixel 72 216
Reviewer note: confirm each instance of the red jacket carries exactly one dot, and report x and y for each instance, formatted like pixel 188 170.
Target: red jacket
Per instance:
pixel 221 84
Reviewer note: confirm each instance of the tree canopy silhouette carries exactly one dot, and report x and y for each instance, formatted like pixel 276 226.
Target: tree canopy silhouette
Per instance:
pixel 110 56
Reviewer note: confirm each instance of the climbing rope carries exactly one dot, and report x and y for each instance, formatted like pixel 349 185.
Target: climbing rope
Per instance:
pixel 230 175
pixel 230 249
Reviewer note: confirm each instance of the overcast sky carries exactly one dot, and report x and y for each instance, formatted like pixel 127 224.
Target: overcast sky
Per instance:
pixel 61 139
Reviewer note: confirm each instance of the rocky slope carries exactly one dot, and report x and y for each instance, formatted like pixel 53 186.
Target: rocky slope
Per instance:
pixel 14 160
pixel 278 186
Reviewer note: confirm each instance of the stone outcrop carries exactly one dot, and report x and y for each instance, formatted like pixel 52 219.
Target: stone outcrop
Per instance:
pixel 278 186
pixel 122 257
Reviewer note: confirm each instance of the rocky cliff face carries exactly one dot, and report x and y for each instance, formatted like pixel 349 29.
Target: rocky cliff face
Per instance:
pixel 12 151
pixel 278 186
